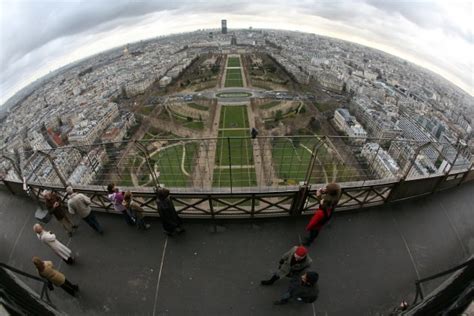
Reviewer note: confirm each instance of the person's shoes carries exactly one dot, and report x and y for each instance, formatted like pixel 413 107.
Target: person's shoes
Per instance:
pixel 266 282
pixel 147 226
pixel 75 226
pixel 180 230
pixel 280 302
pixel 69 234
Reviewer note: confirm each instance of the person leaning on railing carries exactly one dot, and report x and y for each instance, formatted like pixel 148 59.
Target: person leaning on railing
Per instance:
pixel 116 197
pixel 135 211
pixel 169 218
pixel 54 204
pixel 328 198
pixel 80 204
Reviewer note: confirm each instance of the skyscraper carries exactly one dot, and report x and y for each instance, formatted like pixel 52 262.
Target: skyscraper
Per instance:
pixel 224 26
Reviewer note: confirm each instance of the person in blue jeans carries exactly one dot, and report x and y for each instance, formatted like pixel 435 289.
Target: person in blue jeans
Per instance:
pixel 116 197
pixel 80 204
pixel 135 210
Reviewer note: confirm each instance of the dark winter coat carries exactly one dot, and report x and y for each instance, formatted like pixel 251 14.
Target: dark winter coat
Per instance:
pixel 303 292
pixel 287 269
pixel 168 215
pixel 59 212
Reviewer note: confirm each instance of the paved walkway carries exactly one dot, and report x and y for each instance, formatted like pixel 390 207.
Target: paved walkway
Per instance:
pixel 367 260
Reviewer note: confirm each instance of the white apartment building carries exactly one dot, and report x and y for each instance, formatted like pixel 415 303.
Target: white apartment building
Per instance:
pixel 349 125
pixel 380 162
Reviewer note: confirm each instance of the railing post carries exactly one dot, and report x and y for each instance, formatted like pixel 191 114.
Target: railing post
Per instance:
pixel 447 172
pixel 16 168
pixel 230 163
pixel 312 162
pixel 405 174
pixel 55 168
pixel 213 216
pixel 299 200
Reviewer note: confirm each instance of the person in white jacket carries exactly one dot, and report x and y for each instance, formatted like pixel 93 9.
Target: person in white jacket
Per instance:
pixel 49 239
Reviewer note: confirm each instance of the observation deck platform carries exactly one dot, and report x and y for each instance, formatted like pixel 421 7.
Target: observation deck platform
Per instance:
pixel 368 260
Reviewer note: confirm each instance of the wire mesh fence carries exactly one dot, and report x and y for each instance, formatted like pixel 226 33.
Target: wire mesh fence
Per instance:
pixel 234 163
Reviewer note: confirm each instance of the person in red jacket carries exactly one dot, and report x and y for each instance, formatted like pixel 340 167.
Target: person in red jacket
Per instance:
pixel 328 199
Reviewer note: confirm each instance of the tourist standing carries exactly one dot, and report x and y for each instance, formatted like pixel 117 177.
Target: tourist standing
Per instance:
pixel 135 210
pixel 328 199
pixel 47 271
pixel 49 239
pixel 302 289
pixel 55 206
pixel 116 197
pixel 79 204
pixel 291 264
pixel 169 218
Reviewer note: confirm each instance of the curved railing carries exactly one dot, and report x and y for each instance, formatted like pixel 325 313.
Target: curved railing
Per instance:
pixel 241 177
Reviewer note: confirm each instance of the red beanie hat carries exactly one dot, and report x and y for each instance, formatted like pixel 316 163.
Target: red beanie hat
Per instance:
pixel 301 251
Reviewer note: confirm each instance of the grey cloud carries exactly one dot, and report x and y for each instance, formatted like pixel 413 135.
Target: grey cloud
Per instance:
pixel 426 15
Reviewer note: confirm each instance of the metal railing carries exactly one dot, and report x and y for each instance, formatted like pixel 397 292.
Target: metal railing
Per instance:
pixel 241 176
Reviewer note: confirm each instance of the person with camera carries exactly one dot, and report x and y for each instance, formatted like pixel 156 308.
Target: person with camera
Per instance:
pixel 292 263
pixel 328 198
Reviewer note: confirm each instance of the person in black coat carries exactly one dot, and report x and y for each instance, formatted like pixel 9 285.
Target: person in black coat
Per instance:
pixel 169 218
pixel 302 289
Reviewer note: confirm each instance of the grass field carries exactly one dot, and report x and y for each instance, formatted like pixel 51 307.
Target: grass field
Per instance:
pixel 171 167
pixel 234 154
pixel 233 78
pixel 233 62
pixel 234 117
pixel 292 160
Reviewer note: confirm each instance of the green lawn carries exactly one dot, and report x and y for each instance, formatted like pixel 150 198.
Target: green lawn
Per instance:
pixel 234 149
pixel 233 62
pixel 291 160
pixel 234 117
pixel 241 177
pixel 168 163
pixel 233 78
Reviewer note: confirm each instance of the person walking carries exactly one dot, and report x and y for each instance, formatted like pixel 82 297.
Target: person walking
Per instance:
pixel 49 239
pixel 135 210
pixel 328 199
pixel 79 204
pixel 302 289
pixel 169 218
pixel 116 197
pixel 291 264
pixel 55 206
pixel 47 271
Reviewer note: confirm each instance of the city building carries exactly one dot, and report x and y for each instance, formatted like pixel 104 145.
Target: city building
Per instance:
pixel 349 125
pixel 379 161
pixel 224 26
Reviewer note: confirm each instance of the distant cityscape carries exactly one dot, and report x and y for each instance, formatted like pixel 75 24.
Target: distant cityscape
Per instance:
pixel 379 101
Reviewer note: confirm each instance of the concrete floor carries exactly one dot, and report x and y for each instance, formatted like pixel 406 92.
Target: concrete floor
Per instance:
pixel 367 260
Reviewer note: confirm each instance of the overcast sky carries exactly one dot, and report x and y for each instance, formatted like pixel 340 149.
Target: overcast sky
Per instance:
pixel 39 36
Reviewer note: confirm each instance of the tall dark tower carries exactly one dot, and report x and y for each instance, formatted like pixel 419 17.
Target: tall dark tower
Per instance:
pixel 224 26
